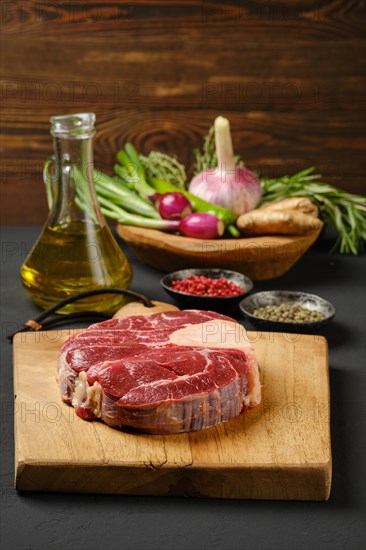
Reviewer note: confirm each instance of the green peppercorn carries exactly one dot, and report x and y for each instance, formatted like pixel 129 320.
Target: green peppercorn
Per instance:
pixel 288 313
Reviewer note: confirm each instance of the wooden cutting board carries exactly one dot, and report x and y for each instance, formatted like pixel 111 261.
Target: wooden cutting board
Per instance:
pixel 279 450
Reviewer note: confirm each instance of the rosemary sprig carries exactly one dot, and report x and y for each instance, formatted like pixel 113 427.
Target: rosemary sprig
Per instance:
pixel 344 211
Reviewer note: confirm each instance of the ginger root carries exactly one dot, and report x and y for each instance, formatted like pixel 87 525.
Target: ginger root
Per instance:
pixel 301 204
pixel 292 216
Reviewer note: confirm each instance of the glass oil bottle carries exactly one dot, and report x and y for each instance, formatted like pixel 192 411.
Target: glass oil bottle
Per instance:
pixel 76 250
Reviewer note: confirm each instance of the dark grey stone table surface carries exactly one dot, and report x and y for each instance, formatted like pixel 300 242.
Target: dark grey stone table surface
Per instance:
pixel 49 521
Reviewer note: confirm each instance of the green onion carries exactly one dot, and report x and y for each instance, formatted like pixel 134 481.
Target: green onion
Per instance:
pixel 121 196
pixel 111 210
pixel 130 161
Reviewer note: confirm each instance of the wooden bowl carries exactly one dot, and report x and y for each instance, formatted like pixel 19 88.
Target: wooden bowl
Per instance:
pixel 258 258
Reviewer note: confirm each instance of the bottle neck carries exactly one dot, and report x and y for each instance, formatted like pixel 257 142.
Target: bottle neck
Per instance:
pixel 75 200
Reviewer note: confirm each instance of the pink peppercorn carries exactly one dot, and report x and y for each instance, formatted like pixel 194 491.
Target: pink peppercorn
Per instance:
pixel 200 285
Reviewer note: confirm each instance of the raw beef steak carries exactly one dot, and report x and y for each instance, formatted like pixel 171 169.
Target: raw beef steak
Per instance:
pixel 165 373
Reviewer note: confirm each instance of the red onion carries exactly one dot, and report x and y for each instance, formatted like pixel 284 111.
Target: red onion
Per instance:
pixel 228 185
pixel 200 225
pixel 173 206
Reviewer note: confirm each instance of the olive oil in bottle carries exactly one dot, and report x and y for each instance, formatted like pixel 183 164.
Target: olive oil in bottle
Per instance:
pixel 76 250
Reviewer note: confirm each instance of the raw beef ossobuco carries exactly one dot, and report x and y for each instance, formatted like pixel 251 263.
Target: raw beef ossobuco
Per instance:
pixel 165 373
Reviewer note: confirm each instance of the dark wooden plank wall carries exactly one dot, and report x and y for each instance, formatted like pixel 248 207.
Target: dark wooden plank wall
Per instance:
pixel 288 74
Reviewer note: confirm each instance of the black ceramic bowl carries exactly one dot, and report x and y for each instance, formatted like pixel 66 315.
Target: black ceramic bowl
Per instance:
pixel 215 303
pixel 309 301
